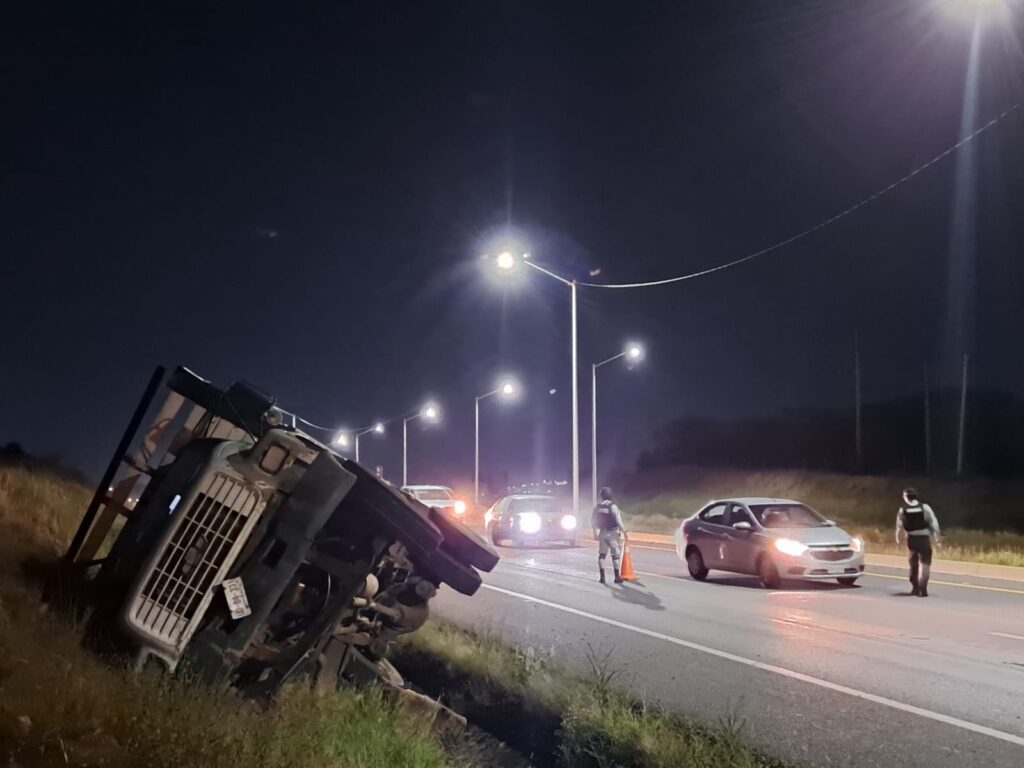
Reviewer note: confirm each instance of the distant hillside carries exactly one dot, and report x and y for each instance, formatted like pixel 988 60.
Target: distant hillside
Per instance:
pixel 893 438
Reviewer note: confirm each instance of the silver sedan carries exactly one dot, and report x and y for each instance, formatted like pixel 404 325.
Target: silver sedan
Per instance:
pixel 774 539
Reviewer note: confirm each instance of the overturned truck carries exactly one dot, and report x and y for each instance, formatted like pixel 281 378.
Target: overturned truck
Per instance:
pixel 224 538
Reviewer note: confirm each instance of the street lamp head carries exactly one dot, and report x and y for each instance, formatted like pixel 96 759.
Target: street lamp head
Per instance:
pixel 431 412
pixel 378 428
pixel 508 389
pixel 342 440
pixel 634 352
pixel 505 260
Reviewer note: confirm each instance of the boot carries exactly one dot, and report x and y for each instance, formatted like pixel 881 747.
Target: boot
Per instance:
pixel 618 578
pixel 601 577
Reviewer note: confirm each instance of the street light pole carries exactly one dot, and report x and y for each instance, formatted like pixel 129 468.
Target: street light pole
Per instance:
pixel 507 261
pixel 428 412
pixel 593 436
pixel 476 454
pixel 575 414
pixel 507 389
pixel 405 450
pixel 634 352
pixel 377 428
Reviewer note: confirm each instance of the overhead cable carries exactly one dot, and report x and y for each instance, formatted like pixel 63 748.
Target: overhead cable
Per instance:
pixel 819 225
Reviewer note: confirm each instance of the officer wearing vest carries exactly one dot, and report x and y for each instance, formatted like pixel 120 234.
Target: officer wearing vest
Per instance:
pixel 609 531
pixel 918 522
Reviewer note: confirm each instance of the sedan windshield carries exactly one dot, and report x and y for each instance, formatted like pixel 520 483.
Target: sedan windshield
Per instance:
pixel 433 494
pixel 787 516
pixel 541 505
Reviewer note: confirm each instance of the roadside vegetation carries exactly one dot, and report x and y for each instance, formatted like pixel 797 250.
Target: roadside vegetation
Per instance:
pixel 61 706
pixel 981 519
pixel 560 717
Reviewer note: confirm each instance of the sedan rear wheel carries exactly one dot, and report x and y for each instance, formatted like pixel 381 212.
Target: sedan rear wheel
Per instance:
pixel 695 564
pixel 768 573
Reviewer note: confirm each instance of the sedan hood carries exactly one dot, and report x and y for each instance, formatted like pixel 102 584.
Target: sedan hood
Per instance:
pixel 825 536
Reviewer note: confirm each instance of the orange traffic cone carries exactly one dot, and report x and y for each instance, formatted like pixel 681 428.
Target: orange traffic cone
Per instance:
pixel 627 572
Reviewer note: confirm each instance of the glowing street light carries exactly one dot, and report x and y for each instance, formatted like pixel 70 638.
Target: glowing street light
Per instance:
pixel 377 429
pixel 507 389
pixel 342 440
pixel 634 354
pixel 506 261
pixel 430 413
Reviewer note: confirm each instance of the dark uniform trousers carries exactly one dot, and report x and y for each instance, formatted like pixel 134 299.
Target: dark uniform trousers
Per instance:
pixel 920 548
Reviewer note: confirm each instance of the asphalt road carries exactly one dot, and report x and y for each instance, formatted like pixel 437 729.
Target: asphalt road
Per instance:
pixel 823 675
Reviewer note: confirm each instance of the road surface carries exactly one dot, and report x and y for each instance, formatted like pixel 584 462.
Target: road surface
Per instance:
pixel 823 675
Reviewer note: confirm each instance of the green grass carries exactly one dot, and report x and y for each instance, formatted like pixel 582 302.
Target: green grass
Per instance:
pixel 82 712
pixel 977 516
pixel 596 724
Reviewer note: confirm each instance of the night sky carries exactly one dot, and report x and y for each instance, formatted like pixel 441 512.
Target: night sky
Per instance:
pixel 298 196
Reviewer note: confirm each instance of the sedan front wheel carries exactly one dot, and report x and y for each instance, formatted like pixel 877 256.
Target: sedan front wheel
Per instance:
pixel 768 574
pixel 695 564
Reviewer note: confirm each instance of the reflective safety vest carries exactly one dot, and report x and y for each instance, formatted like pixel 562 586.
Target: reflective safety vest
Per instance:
pixel 604 518
pixel 914 519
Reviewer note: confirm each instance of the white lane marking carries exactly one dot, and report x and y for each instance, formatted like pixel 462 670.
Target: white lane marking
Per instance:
pixel 793 675
pixel 1004 634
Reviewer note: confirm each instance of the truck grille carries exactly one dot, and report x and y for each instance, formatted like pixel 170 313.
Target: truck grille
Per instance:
pixel 199 552
pixel 831 555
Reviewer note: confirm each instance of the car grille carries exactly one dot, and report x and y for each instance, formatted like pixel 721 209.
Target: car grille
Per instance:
pixel 201 549
pixel 831 555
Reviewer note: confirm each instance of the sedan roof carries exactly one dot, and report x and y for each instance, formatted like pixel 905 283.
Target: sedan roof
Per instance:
pixel 748 500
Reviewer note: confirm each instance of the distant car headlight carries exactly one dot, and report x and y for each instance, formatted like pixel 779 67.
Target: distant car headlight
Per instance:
pixel 460 507
pixel 529 522
pixel 857 544
pixel 790 547
pixel 569 522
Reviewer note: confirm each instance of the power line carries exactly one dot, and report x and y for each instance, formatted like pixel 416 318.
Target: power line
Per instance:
pixel 819 225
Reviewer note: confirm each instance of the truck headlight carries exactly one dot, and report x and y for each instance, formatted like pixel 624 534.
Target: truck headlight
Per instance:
pixel 569 522
pixel 529 522
pixel 460 507
pixel 790 547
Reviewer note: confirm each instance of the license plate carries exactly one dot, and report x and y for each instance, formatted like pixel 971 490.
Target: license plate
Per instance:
pixel 238 601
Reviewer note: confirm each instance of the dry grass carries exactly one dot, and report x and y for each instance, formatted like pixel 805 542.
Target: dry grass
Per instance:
pixel 598 726
pixel 83 712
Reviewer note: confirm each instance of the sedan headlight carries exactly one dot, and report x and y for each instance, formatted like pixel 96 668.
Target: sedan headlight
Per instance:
pixel 569 522
pixel 529 522
pixel 460 507
pixel 790 547
pixel 857 544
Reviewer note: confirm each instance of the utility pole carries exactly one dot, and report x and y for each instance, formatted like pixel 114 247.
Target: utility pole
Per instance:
pixel 927 423
pixel 857 394
pixel 963 422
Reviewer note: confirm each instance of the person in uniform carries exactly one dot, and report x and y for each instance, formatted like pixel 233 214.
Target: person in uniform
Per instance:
pixel 609 532
pixel 918 523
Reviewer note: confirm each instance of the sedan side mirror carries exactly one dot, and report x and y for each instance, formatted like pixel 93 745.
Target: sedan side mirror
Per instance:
pixel 742 525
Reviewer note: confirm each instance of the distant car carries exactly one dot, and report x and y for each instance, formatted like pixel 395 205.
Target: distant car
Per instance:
pixel 440 497
pixel 531 519
pixel 776 540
